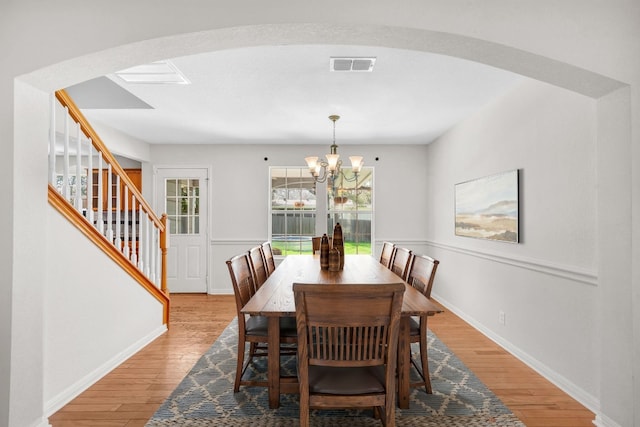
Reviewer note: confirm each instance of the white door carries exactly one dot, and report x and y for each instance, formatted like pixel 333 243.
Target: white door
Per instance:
pixel 182 195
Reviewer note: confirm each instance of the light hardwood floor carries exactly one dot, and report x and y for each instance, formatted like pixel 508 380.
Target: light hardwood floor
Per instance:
pixel 130 394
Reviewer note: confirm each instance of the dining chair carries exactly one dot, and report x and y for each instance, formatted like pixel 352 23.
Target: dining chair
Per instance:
pixel 400 261
pixel 316 241
pixel 253 329
pixel 258 266
pixel 347 347
pixel 270 262
pixel 387 254
pixel 421 274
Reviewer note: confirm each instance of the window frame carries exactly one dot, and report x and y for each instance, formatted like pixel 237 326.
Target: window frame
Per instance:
pixel 285 243
pixel 323 211
pixel 190 200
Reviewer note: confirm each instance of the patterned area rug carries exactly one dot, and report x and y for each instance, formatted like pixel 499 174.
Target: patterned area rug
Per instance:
pixel 205 396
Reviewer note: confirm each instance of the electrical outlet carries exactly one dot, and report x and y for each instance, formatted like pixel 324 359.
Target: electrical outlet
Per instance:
pixel 502 318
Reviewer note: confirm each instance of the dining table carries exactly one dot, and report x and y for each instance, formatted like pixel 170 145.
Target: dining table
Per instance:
pixel 274 299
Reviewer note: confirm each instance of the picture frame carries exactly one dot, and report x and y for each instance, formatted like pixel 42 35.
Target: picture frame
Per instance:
pixel 488 207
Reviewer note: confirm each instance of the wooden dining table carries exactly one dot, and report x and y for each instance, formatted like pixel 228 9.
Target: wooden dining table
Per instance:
pixel 275 299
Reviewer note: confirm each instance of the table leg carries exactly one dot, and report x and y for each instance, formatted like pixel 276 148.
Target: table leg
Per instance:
pixel 404 362
pixel 273 369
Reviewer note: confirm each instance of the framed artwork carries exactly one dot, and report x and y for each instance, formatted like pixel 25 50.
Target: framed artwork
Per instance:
pixel 487 208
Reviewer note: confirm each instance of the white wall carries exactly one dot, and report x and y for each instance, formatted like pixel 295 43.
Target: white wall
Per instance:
pixel 586 46
pixel 616 261
pixel 239 192
pixel 547 284
pixel 28 233
pixel 121 144
pixel 95 314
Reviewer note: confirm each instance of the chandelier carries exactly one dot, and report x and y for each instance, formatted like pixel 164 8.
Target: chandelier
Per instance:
pixel 332 168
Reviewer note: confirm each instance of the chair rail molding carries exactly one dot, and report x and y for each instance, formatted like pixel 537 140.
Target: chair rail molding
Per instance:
pixel 576 274
pixel 232 242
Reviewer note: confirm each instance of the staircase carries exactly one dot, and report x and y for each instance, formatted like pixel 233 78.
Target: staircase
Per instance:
pixel 89 187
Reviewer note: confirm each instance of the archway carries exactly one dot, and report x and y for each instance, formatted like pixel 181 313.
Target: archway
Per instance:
pixel 33 89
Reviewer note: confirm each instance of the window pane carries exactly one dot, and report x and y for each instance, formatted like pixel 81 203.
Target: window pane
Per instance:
pixel 194 186
pixel 293 205
pixel 183 185
pixel 171 207
pixel 350 203
pixel 183 203
pixel 171 188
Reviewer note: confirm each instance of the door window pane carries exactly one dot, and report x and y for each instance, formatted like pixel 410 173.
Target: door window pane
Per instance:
pixel 182 205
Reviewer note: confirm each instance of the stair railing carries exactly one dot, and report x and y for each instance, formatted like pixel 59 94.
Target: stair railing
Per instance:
pixel 85 174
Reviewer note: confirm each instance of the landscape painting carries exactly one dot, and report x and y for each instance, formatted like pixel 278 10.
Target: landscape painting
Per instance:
pixel 487 208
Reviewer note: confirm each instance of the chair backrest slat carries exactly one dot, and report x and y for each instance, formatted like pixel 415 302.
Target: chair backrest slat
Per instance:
pixel 387 254
pixel 258 266
pixel 242 280
pixel 270 262
pixel 400 262
pixel 422 273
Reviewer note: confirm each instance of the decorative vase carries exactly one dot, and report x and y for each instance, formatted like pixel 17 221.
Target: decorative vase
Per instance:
pixel 334 259
pixel 338 243
pixel 324 252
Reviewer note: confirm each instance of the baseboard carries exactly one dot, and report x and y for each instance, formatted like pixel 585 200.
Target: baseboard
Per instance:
pixel 219 292
pixel 55 404
pixel 603 421
pixel 43 422
pixel 579 394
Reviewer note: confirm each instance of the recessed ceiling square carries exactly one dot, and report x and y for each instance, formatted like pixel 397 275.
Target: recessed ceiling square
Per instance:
pixel 160 72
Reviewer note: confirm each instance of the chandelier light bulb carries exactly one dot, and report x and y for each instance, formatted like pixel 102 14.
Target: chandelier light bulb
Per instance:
pixel 356 163
pixel 332 168
pixel 312 162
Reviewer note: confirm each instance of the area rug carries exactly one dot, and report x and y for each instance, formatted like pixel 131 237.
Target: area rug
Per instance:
pixel 205 396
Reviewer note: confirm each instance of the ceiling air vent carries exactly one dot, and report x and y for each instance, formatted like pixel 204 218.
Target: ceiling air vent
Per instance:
pixel 355 64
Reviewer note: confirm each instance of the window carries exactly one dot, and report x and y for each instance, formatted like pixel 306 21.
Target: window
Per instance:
pixel 293 210
pixel 351 204
pixel 183 205
pixel 72 184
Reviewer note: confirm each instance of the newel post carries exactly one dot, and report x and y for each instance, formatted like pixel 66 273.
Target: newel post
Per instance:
pixel 163 250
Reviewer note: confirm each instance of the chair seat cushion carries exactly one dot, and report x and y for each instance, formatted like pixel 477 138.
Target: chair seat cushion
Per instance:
pixel 346 381
pixel 258 325
pixel 288 327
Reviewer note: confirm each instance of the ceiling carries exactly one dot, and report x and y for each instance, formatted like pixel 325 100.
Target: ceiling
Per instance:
pixel 284 95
